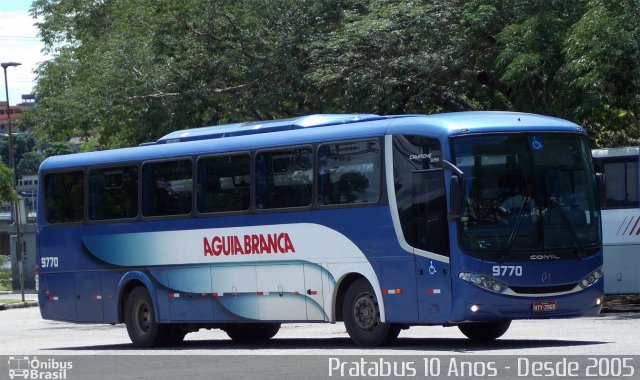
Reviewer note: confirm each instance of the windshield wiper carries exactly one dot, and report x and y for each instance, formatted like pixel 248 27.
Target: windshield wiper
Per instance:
pixel 572 231
pixel 515 229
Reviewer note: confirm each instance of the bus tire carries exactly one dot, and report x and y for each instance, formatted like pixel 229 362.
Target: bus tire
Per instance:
pixel 484 331
pixel 140 319
pixel 252 332
pixel 361 315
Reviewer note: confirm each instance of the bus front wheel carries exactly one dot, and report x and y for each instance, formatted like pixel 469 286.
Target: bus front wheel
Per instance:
pixel 484 331
pixel 140 319
pixel 361 315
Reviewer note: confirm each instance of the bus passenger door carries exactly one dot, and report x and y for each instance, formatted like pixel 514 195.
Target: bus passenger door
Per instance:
pixel 431 246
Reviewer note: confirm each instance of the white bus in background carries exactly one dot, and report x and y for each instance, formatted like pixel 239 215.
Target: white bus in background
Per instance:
pixel 620 218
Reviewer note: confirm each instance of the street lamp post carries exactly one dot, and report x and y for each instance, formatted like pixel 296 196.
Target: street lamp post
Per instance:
pixel 19 253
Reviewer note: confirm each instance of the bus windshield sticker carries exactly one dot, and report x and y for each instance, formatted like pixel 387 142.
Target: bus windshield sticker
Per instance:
pixel 536 143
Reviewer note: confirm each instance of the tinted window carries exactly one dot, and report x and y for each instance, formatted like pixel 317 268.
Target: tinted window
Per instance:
pixel 349 173
pixel 113 193
pixel 224 183
pixel 420 196
pixel 166 188
pixel 64 194
pixel 284 178
pixel 621 183
pixel 527 192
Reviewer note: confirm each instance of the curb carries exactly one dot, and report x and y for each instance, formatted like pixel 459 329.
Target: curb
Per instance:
pixel 18 305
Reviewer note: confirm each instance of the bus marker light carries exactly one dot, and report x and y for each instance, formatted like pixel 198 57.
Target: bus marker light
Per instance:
pixel 312 292
pixel 174 295
pixel 296 293
pixel 391 291
pixel 214 294
pixel 433 291
pixel 96 297
pixel 474 308
pixel 598 301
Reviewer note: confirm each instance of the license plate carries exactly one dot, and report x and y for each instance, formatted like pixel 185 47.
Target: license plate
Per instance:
pixel 544 306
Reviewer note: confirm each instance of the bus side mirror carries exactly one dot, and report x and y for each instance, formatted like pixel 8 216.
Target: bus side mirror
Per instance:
pixel 600 188
pixel 456 200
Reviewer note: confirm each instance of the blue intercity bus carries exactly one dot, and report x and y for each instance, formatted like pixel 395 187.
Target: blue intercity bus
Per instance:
pixel 620 218
pixel 469 219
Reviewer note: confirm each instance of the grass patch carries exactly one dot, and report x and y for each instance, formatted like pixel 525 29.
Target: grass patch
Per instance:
pixel 6 302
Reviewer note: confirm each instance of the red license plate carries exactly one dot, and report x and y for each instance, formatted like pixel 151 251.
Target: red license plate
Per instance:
pixel 544 306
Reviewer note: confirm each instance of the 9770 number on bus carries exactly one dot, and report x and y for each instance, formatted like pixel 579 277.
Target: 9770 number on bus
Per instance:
pixel 49 262
pixel 507 270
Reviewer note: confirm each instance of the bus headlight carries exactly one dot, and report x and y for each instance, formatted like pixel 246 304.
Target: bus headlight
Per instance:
pixel 484 282
pixel 591 278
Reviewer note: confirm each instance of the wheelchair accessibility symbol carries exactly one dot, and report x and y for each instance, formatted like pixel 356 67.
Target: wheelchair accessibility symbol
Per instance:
pixel 536 143
pixel 432 269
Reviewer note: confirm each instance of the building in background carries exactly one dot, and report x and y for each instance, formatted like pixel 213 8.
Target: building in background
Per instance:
pixel 15 111
pixel 26 186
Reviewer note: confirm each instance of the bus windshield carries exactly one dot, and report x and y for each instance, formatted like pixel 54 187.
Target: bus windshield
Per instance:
pixel 527 195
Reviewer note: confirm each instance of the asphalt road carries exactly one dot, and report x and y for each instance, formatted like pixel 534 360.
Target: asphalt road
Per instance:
pixel 306 350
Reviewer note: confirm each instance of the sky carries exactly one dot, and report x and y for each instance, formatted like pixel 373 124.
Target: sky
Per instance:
pixel 19 42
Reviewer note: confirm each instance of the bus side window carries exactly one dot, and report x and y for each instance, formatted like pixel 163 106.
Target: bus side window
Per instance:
pixel 224 183
pixel 167 188
pixel 284 178
pixel 113 193
pixel 349 173
pixel 621 183
pixel 64 197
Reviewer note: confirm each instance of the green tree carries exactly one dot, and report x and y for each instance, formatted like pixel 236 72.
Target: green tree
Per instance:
pixel 575 59
pixel 22 144
pixel 129 71
pixel 602 71
pixel 30 163
pixel 7 192
pixel 58 148
pixel 392 57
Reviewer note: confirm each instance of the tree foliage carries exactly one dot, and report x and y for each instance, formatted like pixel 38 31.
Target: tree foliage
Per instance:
pixel 30 163
pixel 7 192
pixel 22 144
pixel 128 71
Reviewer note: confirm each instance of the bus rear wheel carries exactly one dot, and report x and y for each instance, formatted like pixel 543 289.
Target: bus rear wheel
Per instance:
pixel 484 331
pixel 361 315
pixel 142 326
pixel 252 332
